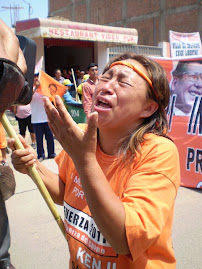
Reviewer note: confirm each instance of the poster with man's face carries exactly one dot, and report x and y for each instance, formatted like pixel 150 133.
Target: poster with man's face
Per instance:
pixel 185 115
pixel 186 84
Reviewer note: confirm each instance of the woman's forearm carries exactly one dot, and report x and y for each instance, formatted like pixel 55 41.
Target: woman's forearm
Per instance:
pixel 53 183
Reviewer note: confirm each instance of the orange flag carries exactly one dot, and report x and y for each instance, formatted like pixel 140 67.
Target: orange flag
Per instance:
pixel 50 87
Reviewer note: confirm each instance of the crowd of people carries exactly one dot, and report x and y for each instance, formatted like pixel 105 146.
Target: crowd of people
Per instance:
pixel 34 118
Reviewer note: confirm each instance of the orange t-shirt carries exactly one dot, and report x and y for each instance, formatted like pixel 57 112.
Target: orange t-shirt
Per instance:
pixel 147 188
pixel 3 142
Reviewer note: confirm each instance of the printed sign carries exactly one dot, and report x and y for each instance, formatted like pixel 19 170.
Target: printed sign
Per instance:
pixel 83 228
pixel 184 44
pixel 185 115
pixel 78 34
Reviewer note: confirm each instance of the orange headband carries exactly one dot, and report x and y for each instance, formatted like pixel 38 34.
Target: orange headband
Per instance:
pixel 137 70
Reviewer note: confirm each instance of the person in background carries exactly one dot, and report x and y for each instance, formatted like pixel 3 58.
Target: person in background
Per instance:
pixel 80 87
pixel 67 96
pixel 186 84
pixel 58 75
pixel 65 73
pixel 80 77
pixel 69 73
pixel 40 124
pixel 23 116
pixel 9 49
pixel 89 87
pixel 3 146
pixel 118 176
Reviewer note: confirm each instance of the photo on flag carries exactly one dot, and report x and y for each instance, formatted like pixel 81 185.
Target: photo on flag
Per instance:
pixel 50 87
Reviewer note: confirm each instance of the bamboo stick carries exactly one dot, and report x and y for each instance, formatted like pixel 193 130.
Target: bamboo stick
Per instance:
pixel 34 175
pixel 77 95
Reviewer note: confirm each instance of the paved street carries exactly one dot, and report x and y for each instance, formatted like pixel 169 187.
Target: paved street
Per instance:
pixel 37 242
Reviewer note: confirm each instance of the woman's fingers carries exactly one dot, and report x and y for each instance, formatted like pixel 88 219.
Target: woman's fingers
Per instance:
pixel 64 114
pixel 22 158
pixel 58 118
pixel 52 114
pixel 11 143
pixel 92 123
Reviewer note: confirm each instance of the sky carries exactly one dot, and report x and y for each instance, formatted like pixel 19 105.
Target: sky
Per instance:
pixel 26 9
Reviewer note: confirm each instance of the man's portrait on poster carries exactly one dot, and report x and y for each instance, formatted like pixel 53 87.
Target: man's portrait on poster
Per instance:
pixel 186 86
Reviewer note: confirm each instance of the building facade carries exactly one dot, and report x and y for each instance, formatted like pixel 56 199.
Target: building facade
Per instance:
pixel 152 18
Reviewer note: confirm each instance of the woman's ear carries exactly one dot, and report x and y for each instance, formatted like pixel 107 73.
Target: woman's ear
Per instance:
pixel 150 109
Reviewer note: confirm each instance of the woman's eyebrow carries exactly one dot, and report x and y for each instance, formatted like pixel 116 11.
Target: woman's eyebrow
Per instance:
pixel 121 73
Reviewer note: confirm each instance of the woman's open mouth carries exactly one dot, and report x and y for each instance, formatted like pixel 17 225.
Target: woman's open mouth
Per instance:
pixel 103 103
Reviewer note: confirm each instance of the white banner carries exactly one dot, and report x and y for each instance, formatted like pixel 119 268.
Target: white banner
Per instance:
pixel 185 44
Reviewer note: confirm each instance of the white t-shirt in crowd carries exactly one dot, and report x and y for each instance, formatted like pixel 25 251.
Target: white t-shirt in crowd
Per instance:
pixel 37 108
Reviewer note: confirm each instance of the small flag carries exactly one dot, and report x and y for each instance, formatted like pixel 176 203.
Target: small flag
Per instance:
pixel 50 87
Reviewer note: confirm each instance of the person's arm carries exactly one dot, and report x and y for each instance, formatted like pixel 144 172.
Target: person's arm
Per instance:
pixel 107 210
pixel 87 99
pixel 10 50
pixel 23 158
pixel 9 47
pixel 69 99
pixel 15 109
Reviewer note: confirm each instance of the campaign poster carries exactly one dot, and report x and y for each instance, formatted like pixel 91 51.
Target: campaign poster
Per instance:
pixel 185 44
pixel 185 115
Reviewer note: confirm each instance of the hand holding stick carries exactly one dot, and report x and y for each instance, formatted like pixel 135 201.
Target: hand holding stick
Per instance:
pixel 34 175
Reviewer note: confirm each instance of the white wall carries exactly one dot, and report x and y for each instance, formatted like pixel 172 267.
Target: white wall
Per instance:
pixel 39 50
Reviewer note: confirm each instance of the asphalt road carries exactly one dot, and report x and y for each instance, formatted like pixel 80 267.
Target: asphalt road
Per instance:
pixel 38 243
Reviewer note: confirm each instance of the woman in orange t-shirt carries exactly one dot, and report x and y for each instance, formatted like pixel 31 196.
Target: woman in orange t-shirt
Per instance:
pixel 118 179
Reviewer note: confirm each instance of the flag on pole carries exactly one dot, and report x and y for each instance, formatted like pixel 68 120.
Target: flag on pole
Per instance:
pixel 50 87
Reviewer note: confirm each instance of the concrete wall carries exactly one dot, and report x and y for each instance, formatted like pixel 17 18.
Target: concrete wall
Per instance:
pixel 152 18
pixel 40 50
pixel 101 55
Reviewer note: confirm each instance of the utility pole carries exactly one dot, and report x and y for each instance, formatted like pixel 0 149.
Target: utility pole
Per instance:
pixel 15 13
pixel 30 8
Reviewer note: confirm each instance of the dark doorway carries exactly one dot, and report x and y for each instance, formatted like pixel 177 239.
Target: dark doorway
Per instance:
pixel 62 54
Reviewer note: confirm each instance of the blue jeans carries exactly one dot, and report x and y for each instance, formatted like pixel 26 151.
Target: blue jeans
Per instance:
pixel 4 235
pixel 40 130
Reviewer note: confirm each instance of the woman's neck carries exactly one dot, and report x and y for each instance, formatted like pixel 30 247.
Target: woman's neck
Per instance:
pixel 109 141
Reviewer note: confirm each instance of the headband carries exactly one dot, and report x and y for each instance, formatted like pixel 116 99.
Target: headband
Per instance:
pixel 137 70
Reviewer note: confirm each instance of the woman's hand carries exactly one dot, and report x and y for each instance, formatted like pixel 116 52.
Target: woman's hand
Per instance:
pixel 22 158
pixel 81 146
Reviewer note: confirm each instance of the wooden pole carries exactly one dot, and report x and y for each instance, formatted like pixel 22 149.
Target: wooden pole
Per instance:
pixel 34 175
pixel 77 96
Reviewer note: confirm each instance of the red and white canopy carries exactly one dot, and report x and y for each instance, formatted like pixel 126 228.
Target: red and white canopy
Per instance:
pixel 51 28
